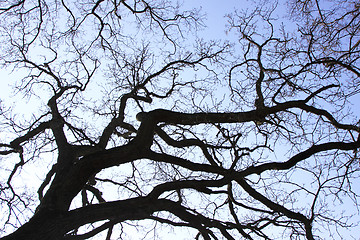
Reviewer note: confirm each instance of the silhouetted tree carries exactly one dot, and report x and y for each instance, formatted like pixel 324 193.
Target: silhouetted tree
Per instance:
pixel 125 116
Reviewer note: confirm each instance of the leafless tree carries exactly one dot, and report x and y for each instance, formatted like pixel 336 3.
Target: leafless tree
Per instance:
pixel 131 122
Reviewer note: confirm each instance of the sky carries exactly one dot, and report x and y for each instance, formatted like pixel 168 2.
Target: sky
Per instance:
pixel 215 11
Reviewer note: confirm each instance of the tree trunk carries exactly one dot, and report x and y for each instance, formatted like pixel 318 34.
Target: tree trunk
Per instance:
pixel 40 227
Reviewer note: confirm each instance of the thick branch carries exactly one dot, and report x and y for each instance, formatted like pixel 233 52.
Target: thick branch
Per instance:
pixel 301 156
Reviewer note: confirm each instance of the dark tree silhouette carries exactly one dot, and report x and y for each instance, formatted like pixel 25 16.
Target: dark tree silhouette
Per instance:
pixel 129 121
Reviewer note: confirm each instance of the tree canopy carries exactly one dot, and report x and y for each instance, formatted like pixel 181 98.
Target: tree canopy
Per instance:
pixel 121 117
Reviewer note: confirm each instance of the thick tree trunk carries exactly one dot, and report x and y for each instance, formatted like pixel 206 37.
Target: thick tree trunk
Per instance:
pixel 44 227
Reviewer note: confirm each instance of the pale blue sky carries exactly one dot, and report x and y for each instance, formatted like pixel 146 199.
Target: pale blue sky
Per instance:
pixel 215 11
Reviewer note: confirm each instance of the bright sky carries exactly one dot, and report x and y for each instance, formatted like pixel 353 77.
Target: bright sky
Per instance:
pixel 216 22
pixel 215 13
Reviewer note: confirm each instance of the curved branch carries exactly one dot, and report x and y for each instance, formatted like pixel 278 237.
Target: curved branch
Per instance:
pixel 30 134
pixel 277 207
pixel 301 156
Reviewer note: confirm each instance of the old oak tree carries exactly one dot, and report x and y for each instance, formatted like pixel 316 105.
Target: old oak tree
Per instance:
pixel 121 117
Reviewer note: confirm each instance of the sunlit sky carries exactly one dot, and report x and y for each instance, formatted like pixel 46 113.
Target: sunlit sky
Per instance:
pixel 215 11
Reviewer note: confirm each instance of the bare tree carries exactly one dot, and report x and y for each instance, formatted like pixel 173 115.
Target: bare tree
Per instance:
pixel 129 118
